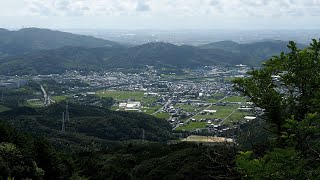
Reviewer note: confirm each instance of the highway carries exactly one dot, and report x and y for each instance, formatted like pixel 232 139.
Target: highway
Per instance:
pixel 45 96
pixel 47 99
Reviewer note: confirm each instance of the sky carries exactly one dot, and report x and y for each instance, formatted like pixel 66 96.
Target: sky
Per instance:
pixel 161 14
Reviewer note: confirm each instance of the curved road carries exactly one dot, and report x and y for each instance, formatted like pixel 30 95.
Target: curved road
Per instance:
pixel 45 95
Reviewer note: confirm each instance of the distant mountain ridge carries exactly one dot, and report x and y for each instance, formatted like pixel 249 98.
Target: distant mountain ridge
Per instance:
pixel 156 54
pixel 96 59
pixel 42 51
pixel 31 39
pixel 256 51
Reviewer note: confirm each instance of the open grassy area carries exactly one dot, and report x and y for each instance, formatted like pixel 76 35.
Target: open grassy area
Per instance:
pixel 211 100
pixel 122 95
pixel 149 99
pixel 235 99
pixel 125 95
pixel 217 96
pixel 189 108
pixel 59 98
pixel 222 112
pixel 150 110
pixel 136 96
pixel 192 126
pixel 236 117
pixel 34 104
pixel 4 108
pixel 162 115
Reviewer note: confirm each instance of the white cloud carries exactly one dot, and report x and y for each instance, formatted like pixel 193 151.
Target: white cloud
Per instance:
pixel 260 8
pixel 176 12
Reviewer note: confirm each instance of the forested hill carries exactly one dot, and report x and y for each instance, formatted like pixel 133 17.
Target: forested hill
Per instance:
pixel 157 54
pixel 255 52
pixel 25 157
pixel 30 39
pixel 87 124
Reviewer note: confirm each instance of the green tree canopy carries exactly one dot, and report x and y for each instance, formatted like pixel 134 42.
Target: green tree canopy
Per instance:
pixel 287 88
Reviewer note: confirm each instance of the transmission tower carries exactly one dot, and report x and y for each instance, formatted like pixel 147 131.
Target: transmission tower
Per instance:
pixel 67 113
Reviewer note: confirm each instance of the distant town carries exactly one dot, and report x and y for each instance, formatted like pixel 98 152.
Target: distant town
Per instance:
pixel 195 101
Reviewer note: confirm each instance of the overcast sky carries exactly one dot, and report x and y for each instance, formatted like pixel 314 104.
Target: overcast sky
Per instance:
pixel 162 14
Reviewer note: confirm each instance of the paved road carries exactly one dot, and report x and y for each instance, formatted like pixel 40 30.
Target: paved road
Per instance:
pixel 45 96
pixel 228 116
pixel 167 103
pixel 47 99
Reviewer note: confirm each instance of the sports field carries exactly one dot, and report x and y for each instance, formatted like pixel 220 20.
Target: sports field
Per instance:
pixel 209 139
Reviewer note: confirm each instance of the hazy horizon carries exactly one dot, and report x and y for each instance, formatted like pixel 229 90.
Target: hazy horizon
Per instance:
pixel 192 36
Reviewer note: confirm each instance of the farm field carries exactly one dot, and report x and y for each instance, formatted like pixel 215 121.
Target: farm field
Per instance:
pixel 162 115
pixel 229 114
pixel 122 95
pixel 190 108
pixel 235 99
pixel 236 117
pixel 125 95
pixel 150 110
pixel 59 98
pixel 222 112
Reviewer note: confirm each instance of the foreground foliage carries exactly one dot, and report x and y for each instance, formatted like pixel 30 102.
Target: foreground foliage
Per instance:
pixel 287 88
pixel 22 156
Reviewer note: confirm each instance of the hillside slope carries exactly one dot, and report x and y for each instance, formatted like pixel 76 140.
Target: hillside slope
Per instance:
pixel 156 54
pixel 255 52
pixel 30 39
pixel 87 125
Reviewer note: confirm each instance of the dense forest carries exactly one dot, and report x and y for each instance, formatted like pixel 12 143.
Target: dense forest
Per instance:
pixel 87 125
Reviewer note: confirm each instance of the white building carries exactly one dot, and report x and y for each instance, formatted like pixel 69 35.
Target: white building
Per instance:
pixel 131 106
